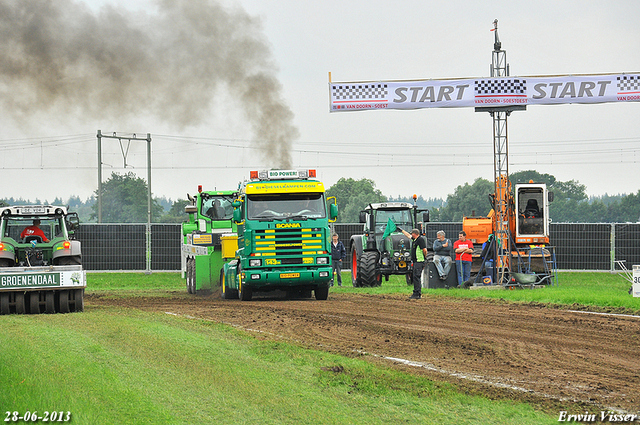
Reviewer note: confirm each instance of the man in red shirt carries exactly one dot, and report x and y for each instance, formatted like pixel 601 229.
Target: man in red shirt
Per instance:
pixel 34 230
pixel 463 248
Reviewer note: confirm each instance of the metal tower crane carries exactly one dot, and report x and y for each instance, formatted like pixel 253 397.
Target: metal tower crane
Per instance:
pixel 502 197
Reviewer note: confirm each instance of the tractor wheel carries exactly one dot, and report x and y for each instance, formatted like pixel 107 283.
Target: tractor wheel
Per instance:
pixel 4 303
pixel 63 301
pixel 49 302
pixel 367 270
pixel 69 261
pixel 19 303
pixel 191 275
pixel 355 278
pixel 34 302
pixel 322 293
pixel 76 299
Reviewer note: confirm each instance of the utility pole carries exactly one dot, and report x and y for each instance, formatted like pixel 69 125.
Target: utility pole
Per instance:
pixel 149 200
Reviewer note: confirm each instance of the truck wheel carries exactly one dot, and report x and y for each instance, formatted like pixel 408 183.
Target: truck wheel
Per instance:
pixel 34 302
pixel 322 293
pixel 49 302
pixel 244 293
pixel 63 301
pixel 354 268
pixel 367 270
pixel 191 275
pixel 225 292
pixel 4 303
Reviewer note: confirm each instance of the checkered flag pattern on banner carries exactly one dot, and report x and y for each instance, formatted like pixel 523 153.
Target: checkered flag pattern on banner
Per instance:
pixel 629 83
pixel 507 86
pixel 359 91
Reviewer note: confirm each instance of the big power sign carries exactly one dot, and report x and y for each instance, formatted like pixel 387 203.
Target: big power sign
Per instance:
pixel 484 92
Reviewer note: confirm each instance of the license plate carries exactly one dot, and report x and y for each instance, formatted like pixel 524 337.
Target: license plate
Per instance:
pixel 286 275
pixel 32 210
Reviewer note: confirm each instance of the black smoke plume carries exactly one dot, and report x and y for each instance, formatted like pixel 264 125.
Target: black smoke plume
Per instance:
pixel 60 56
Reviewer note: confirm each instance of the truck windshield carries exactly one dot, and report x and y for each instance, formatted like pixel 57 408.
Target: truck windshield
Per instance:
pixel 217 207
pixel 283 206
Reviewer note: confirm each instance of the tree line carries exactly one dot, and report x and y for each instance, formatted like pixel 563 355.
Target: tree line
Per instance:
pixel 124 200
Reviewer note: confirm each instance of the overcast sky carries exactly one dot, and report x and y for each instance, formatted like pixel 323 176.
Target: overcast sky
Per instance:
pixel 192 98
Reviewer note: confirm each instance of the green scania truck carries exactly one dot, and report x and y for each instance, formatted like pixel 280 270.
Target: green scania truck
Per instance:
pixel 282 219
pixel 208 238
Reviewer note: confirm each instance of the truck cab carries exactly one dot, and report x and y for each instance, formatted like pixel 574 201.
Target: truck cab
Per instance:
pixel 284 239
pixel 208 238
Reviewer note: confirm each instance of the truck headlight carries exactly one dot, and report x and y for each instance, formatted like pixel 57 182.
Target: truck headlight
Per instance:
pixel 396 254
pixel 255 263
pixel 322 260
pixel 324 274
pixel 407 254
pixel 255 276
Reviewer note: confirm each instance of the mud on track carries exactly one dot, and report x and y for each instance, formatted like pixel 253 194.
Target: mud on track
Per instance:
pixel 555 359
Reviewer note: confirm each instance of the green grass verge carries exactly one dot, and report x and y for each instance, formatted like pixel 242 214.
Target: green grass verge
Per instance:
pixel 112 365
pixel 604 291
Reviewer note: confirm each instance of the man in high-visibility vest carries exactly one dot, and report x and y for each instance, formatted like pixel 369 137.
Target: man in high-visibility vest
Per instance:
pixel 418 256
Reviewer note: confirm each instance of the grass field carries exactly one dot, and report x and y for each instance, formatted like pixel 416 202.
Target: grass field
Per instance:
pixel 113 365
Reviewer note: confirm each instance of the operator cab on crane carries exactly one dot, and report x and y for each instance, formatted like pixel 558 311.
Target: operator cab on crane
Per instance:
pixel 532 206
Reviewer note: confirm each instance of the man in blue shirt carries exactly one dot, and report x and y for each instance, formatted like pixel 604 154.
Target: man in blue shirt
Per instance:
pixel 338 253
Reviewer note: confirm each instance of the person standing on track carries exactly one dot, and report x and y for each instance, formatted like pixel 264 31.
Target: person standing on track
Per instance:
pixel 338 253
pixel 418 256
pixel 463 248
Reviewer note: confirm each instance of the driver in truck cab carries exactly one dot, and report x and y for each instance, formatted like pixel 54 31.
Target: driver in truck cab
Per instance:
pixel 34 230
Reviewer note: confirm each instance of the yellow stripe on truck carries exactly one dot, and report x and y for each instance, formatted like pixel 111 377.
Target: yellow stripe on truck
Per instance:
pixel 284 187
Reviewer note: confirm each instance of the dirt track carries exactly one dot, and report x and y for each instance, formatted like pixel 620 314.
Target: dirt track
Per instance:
pixel 550 357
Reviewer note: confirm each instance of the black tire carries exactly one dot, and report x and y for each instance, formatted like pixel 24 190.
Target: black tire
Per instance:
pixel 228 294
pixel 63 301
pixel 19 303
pixel 354 267
pixel 367 269
pixel 77 300
pixel 191 275
pixel 244 293
pixel 34 302
pixel 322 293
pixel 5 262
pixel 224 291
pixel 4 303
pixel 49 302
pixel 70 261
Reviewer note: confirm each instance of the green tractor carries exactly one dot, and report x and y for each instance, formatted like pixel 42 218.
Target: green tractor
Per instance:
pixel 383 250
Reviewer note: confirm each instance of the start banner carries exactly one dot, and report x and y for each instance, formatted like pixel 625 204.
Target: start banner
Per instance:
pixel 484 92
